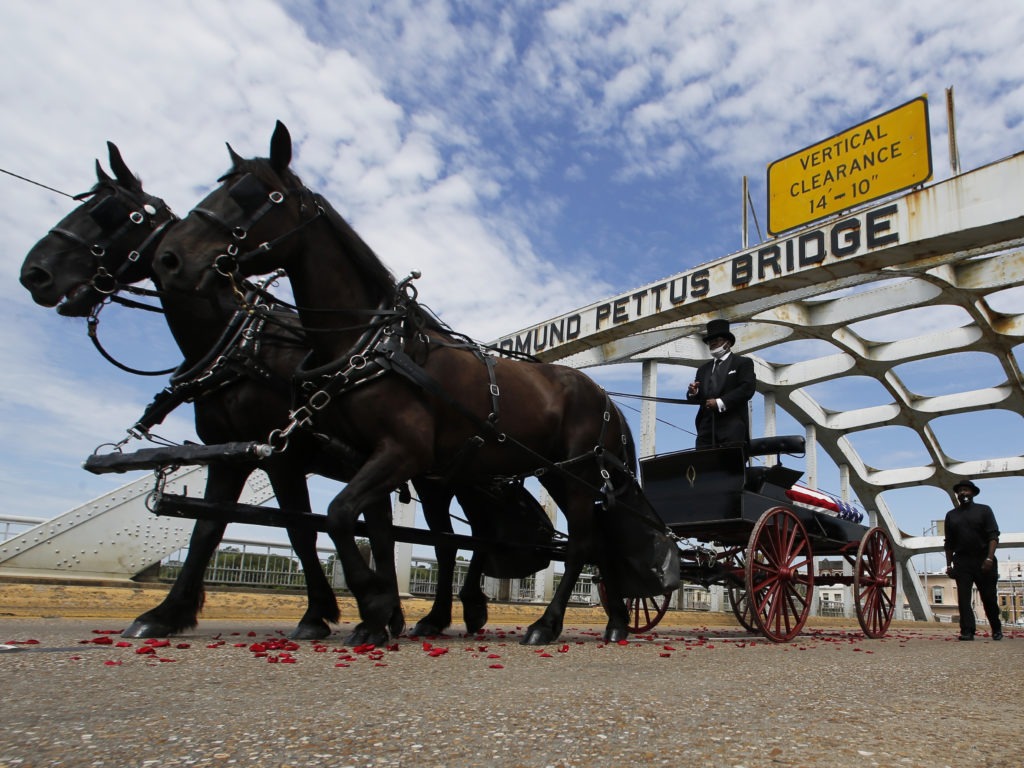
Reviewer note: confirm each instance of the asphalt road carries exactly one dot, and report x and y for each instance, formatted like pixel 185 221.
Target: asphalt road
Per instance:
pixel 234 692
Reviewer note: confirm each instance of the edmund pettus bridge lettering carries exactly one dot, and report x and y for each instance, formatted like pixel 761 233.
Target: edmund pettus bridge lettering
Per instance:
pixel 845 239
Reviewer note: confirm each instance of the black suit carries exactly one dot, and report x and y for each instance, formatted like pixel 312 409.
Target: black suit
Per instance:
pixel 731 426
pixel 969 529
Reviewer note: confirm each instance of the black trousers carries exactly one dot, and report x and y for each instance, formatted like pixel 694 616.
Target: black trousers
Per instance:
pixel 968 574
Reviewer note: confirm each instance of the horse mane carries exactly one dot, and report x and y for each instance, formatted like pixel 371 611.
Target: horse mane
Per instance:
pixel 378 278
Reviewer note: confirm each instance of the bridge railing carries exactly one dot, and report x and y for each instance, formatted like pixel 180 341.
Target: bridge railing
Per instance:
pixel 12 525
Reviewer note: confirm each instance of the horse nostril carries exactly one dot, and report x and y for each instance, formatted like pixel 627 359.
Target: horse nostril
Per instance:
pixel 170 262
pixel 36 277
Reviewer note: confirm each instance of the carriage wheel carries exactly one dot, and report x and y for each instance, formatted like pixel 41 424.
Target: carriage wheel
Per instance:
pixel 780 574
pixel 738 600
pixel 644 612
pixel 874 583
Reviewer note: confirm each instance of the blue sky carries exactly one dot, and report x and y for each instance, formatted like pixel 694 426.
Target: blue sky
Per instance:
pixel 549 153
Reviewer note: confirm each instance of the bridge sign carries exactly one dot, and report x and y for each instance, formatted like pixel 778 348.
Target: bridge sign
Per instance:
pixel 888 153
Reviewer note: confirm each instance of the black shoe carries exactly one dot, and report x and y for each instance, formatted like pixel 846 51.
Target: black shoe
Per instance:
pixel 966 636
pixel 997 635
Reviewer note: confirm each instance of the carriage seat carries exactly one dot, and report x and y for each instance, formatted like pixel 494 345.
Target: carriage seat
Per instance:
pixel 758 477
pixel 776 444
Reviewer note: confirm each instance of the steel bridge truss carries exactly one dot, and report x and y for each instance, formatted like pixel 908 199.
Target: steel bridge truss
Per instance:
pixel 860 299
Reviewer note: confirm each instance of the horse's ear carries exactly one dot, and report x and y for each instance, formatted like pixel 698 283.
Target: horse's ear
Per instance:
pixel 280 148
pixel 121 171
pixel 101 175
pixel 236 159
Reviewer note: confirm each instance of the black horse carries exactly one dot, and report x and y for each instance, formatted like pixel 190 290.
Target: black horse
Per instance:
pixel 106 244
pixel 389 379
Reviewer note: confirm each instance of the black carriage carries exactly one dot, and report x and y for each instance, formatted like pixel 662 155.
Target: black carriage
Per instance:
pixel 763 543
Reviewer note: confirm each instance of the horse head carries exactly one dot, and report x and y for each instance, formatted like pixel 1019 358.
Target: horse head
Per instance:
pixel 259 219
pixel 102 245
pixel 231 230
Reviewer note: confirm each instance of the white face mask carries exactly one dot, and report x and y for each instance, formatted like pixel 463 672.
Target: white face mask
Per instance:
pixel 719 352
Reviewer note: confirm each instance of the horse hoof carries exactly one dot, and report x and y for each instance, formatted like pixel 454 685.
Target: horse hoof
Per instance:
pixel 476 618
pixel 363 635
pixel 538 636
pixel 615 634
pixel 141 629
pixel 425 628
pixel 397 624
pixel 310 631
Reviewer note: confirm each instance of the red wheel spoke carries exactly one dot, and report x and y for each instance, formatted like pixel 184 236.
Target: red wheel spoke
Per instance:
pixel 875 583
pixel 780 574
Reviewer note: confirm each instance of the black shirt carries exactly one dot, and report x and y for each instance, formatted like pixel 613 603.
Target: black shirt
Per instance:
pixel 969 529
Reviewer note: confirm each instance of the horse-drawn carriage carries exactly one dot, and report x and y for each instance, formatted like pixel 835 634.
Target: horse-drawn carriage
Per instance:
pixel 751 536
pixel 388 395
pixel 764 543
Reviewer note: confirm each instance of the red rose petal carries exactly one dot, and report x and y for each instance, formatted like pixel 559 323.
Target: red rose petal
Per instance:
pixel 104 640
pixel 123 644
pixel 112 663
pixel 144 650
pixel 497 666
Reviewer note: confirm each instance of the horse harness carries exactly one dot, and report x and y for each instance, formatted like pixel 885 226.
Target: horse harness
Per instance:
pixel 395 342
pixel 233 358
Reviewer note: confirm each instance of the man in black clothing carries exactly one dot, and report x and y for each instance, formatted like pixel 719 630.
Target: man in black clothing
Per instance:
pixel 971 538
pixel 722 388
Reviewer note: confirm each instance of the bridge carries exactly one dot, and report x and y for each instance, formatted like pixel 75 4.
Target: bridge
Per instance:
pixel 947 257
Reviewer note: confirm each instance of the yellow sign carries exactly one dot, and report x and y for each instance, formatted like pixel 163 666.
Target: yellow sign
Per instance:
pixel 886 154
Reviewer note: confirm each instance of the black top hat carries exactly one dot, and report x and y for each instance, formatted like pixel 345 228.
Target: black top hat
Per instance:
pixel 967 484
pixel 719 329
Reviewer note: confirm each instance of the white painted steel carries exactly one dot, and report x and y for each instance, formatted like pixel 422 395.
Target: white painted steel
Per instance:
pixel 113 537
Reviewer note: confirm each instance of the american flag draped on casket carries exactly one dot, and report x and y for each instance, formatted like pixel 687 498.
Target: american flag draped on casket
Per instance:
pixel 825 501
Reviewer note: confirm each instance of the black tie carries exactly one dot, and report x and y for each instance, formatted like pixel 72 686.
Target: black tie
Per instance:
pixel 716 377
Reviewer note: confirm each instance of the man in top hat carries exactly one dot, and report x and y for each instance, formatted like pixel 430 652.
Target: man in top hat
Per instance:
pixel 971 539
pixel 722 388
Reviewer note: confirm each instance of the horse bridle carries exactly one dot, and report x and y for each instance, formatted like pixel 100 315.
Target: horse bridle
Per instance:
pixel 117 220
pixel 252 196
